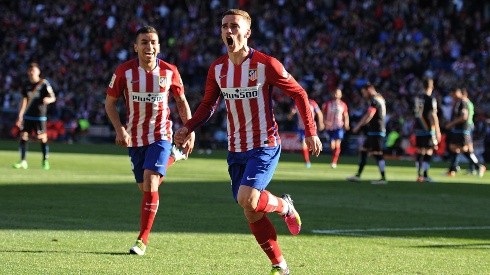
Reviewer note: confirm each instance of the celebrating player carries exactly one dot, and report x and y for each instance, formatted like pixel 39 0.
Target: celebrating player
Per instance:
pixel 145 83
pixel 32 115
pixel 336 117
pixel 426 129
pixel 244 79
pixel 374 120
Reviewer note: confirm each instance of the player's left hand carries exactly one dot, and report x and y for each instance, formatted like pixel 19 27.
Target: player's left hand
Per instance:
pixel 314 145
pixel 189 145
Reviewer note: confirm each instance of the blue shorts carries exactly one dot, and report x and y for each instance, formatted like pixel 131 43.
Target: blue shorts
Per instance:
pixel 253 168
pixel 336 134
pixel 152 157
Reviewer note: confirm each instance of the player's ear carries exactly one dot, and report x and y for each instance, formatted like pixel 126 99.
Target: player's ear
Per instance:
pixel 135 47
pixel 249 32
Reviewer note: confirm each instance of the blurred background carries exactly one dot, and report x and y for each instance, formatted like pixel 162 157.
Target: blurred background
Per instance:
pixel 322 43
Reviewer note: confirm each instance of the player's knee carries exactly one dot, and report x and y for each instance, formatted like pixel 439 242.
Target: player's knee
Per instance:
pixel 247 202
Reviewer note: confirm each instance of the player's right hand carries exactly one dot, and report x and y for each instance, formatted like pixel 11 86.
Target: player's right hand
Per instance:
pixel 123 138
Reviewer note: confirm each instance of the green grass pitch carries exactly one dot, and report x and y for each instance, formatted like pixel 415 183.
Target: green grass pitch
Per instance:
pixel 82 216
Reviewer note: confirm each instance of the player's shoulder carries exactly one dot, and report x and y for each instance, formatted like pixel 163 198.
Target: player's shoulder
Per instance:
pixel 220 60
pixel 128 65
pixel 264 58
pixel 166 65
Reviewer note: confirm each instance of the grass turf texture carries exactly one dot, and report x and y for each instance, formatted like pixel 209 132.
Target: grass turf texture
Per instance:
pixel 82 216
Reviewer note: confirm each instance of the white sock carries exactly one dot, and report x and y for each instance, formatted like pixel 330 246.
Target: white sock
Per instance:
pixel 286 209
pixel 282 264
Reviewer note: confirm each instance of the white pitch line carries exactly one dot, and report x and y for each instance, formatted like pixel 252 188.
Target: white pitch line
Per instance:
pixel 348 231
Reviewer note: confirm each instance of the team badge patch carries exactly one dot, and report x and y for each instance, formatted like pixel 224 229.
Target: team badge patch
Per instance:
pixel 162 81
pixel 252 75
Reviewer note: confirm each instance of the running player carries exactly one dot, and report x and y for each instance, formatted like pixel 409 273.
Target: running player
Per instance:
pixel 244 78
pixel 146 83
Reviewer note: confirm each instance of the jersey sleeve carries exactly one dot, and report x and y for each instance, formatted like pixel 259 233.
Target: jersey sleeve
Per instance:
pixel 48 90
pixel 325 107
pixel 208 104
pixel 117 84
pixel 177 86
pixel 279 77
pixel 316 108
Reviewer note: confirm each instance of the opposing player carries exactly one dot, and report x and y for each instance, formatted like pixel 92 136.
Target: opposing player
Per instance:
pixel 426 129
pixel 336 121
pixel 244 79
pixel 145 83
pixel 460 134
pixel 374 121
pixel 32 116
pixel 317 117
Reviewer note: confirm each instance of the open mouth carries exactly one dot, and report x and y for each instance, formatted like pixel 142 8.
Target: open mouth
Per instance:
pixel 229 41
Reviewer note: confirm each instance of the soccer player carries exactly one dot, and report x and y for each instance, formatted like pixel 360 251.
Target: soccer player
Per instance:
pixel 471 123
pixel 244 79
pixel 460 134
pixel 32 115
pixel 374 123
pixel 146 83
pixel 336 120
pixel 317 116
pixel 426 129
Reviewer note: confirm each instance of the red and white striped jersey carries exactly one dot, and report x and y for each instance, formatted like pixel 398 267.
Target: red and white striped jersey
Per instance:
pixel 247 91
pixel 146 96
pixel 314 108
pixel 333 113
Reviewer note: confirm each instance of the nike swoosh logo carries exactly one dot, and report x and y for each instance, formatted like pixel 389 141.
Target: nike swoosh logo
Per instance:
pixel 135 81
pixel 158 165
pixel 249 178
pixel 221 76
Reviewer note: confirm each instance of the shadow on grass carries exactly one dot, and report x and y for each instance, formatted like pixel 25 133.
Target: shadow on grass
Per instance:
pixel 458 246
pixel 209 207
pixel 64 252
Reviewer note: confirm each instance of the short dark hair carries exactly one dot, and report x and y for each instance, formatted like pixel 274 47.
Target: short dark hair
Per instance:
pixel 145 29
pixel 426 82
pixel 367 85
pixel 33 65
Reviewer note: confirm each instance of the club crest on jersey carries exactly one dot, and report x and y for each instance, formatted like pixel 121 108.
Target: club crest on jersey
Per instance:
pixel 252 74
pixel 162 81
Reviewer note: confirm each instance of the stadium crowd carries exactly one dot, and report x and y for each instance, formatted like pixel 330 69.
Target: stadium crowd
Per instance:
pixel 323 43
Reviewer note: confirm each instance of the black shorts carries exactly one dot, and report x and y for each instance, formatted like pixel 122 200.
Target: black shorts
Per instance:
pixel 34 126
pixel 460 139
pixel 373 143
pixel 428 142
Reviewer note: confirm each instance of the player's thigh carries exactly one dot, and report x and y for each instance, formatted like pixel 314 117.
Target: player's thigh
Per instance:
pixel 254 168
pixel 375 144
pixel 157 155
